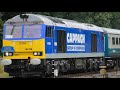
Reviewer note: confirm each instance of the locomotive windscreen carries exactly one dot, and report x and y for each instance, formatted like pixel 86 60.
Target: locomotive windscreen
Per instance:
pixel 32 31
pixel 13 31
pixel 22 31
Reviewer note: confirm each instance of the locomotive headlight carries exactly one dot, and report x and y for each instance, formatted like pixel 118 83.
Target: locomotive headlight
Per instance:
pixel 35 53
pixel 8 54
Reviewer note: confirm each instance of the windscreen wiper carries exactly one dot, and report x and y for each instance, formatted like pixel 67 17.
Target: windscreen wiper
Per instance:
pixel 13 29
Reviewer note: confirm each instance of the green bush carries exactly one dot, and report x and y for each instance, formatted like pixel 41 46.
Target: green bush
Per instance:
pixel 1 68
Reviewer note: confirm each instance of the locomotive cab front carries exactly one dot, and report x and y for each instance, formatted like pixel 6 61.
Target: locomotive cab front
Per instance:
pixel 23 46
pixel 23 41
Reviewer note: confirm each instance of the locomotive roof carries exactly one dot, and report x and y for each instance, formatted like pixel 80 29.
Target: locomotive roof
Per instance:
pixel 111 31
pixel 48 20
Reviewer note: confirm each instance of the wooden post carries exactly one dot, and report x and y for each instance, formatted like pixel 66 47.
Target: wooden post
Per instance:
pixel 103 70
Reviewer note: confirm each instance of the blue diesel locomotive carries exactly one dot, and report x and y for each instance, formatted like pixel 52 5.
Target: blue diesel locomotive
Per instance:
pixel 37 44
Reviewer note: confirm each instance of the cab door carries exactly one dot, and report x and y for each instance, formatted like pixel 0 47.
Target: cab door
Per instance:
pixel 61 41
pixel 93 42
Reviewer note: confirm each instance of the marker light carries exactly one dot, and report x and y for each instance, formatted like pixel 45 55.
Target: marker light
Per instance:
pixel 8 54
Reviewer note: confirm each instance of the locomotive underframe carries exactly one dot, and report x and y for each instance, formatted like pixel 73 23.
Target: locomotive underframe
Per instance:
pixel 47 66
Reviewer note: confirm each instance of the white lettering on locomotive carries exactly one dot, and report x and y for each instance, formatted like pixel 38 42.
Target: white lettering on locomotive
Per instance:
pixel 75 47
pixel 75 38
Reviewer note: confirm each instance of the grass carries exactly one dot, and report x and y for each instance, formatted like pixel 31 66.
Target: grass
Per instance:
pixel 2 73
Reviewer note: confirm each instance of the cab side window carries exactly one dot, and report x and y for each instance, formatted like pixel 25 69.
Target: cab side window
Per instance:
pixel 49 31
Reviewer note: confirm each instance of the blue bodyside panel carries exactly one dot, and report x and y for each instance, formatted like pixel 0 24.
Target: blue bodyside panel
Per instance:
pixel 78 46
pixel 100 42
pixel 49 45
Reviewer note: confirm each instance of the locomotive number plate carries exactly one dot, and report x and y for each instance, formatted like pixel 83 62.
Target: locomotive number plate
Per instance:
pixel 22 43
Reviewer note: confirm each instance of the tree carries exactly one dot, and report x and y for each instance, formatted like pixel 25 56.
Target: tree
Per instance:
pixel 115 21
pixel 103 19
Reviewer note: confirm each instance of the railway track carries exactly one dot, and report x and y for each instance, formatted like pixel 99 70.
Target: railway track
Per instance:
pixel 78 74
pixel 71 75
pixel 92 74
